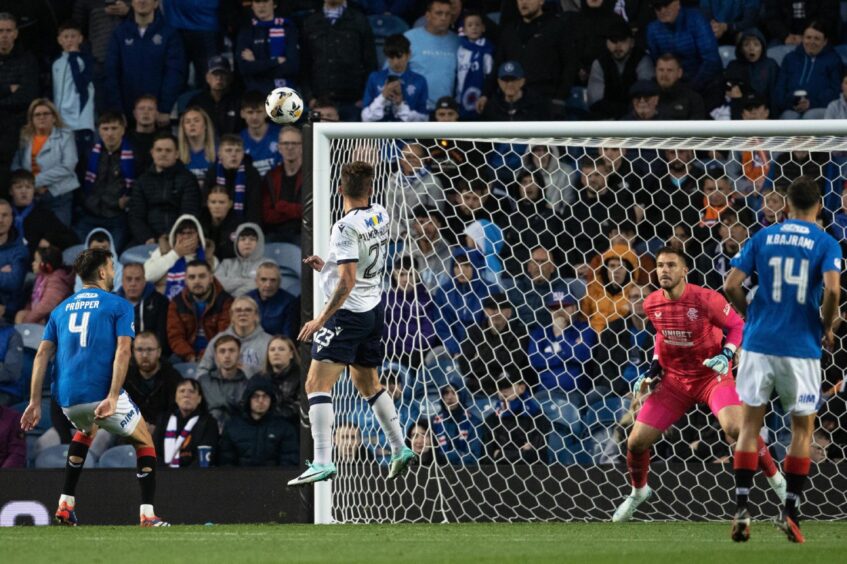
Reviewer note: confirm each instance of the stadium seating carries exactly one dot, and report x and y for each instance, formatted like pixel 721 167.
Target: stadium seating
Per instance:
pixel 778 52
pixel 30 333
pixel 382 26
pixel 139 253
pixel 56 457
pixel 727 53
pixel 187 369
pixel 842 52
pixel 122 456
pixel 69 255
pixel 290 281
pixel 286 255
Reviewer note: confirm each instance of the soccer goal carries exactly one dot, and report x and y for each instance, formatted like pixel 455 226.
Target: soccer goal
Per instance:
pixel 519 258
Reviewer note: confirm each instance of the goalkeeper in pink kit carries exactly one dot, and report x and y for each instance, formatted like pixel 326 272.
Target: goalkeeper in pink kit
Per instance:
pixel 697 334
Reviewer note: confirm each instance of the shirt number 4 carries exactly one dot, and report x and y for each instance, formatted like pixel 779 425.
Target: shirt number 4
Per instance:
pixel 81 327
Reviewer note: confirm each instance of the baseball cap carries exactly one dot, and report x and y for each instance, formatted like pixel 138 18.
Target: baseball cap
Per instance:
pixel 447 103
pixel 558 300
pixel 219 63
pixel 510 69
pixel 618 30
pixel 643 88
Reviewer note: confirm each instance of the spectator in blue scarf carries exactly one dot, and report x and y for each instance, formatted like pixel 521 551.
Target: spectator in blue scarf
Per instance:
pixel 267 49
pixel 475 63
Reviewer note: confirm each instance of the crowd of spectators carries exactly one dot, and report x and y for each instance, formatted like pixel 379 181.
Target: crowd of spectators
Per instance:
pixel 141 122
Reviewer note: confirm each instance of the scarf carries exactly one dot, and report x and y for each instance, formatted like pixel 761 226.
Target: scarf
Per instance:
pixel 176 275
pixel 127 165
pixel 174 440
pixel 276 35
pixel 240 186
pixel 20 217
pixel 82 77
pixel 474 66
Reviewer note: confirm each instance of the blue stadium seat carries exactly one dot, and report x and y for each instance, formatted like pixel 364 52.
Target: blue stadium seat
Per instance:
pixel 56 456
pixel 384 25
pixel 727 53
pixel 139 253
pixel 842 52
pixel 288 255
pixel 30 333
pixel 604 412
pixel 290 281
pixel 187 369
pixel 563 415
pixel 122 456
pixel 577 103
pixel 778 52
pixel 69 255
pixel 494 17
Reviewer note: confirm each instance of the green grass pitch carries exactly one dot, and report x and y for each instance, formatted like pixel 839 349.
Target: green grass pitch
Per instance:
pixel 630 543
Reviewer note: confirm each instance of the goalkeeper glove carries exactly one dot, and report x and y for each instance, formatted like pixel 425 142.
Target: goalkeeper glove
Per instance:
pixel 720 362
pixel 650 379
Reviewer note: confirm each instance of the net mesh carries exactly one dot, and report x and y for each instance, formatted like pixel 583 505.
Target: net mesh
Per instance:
pixel 515 328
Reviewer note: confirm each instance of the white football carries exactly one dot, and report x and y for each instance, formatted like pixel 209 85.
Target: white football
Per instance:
pixel 284 105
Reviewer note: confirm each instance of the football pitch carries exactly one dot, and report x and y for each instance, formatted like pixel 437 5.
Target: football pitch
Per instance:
pixel 630 543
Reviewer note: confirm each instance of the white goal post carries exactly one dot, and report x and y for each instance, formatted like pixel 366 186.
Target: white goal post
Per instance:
pixel 589 479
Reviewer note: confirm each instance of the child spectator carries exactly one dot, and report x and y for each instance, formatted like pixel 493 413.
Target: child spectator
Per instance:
pixel 219 221
pixel 773 211
pixel 53 283
pixel 197 142
pixel 408 331
pixel 395 93
pixel 260 137
pixel 238 275
pixel 99 238
pixel 809 77
pixel 73 86
pixel 240 177
pixel 267 49
pixel 752 65
pixel 475 62
pixel 837 109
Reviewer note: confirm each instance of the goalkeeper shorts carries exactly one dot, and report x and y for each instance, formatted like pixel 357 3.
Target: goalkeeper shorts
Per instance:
pixel 672 398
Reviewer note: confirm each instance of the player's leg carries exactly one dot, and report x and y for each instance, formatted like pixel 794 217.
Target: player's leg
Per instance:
pixel 145 456
pixel 366 380
pixel 796 466
pixel 638 445
pixel 321 378
pixel 81 417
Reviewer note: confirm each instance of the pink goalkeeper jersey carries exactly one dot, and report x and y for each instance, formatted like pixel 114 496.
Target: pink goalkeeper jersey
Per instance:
pixel 691 329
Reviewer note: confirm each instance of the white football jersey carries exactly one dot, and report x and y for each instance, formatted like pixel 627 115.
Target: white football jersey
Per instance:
pixel 360 236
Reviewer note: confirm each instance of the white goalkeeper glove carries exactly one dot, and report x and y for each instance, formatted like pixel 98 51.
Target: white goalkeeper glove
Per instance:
pixel 720 362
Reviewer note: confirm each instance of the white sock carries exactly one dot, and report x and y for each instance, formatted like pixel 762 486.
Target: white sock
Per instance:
pixel 147 511
pixel 321 417
pixel 69 499
pixel 386 414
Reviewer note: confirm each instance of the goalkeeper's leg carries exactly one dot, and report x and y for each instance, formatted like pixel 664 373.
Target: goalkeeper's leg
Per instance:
pixel 638 446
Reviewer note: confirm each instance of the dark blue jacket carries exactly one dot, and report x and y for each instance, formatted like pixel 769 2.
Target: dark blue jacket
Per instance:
pixel 153 64
pixel 264 74
pixel 280 315
pixel 14 254
pixel 562 360
pixel 760 76
pixel 457 436
pixel 194 15
pixel 690 38
pixel 819 76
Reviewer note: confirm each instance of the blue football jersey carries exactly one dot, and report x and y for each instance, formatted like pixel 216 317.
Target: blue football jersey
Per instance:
pixel 85 329
pixel 264 151
pixel 790 258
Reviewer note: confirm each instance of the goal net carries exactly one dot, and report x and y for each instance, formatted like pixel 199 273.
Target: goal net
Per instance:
pixel 514 284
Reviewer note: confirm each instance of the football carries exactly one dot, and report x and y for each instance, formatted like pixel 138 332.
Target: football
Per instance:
pixel 284 105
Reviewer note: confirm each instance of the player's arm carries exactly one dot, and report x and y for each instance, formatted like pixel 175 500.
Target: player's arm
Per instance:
pixel 829 306
pixel 106 408
pixel 724 317
pixel 733 287
pixel 32 414
pixel 346 281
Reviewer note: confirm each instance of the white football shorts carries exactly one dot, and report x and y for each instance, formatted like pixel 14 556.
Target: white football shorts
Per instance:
pixel 797 381
pixel 122 423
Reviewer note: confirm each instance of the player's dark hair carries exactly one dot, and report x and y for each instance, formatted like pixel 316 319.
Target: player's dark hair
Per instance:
pixel 21 176
pixel 252 99
pixel 804 193
pixel 111 117
pixel 224 339
pixel 197 262
pixel 356 179
pixel 666 250
pixel 89 262
pixel 396 45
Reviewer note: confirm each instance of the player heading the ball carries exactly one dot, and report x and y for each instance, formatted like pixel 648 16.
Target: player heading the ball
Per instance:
pixel 697 334
pixel 348 332
pixel 91 335
pixel 798 265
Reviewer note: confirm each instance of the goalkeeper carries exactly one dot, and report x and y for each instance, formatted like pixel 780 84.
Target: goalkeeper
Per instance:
pixel 692 364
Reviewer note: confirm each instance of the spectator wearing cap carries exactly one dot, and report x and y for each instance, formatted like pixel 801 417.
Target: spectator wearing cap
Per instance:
pixel 809 77
pixel 495 344
pixel 837 109
pixel 434 49
pixel 626 346
pixel 198 25
pixel 446 109
pixel 686 33
pixel 145 56
pixel 338 55
pixel 395 93
pixel 267 49
pixel 752 64
pixel 728 18
pixel 676 100
pixel 220 99
pixel 644 96
pixel 544 45
pixel 475 59
pixel 516 431
pixel 591 25
pixel 512 102
pixel 615 70
pixel 561 351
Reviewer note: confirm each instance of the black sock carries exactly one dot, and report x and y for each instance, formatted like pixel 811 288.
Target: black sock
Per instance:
pixel 743 484
pixel 795 484
pixel 146 464
pixel 73 470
